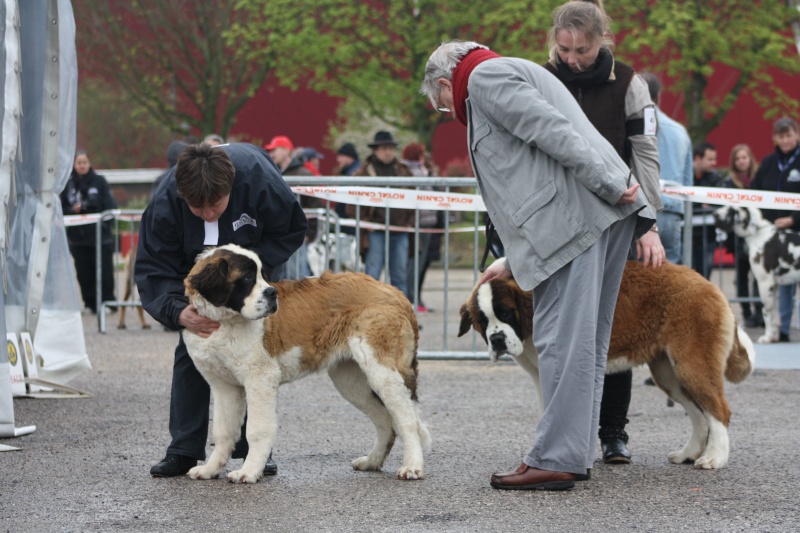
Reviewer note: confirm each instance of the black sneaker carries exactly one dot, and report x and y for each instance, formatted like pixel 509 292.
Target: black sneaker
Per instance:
pixel 784 337
pixel 755 321
pixel 270 469
pixel 173 465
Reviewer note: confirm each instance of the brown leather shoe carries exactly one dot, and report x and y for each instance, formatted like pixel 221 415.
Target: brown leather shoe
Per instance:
pixel 528 478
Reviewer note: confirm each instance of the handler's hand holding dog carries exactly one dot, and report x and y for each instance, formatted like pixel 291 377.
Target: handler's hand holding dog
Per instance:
pixel 199 325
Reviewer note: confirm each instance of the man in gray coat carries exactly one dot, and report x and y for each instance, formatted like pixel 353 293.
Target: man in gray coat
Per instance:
pixel 566 207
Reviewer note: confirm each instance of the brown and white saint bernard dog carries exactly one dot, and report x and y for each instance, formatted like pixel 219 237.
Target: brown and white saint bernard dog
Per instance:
pixel 361 331
pixel 670 318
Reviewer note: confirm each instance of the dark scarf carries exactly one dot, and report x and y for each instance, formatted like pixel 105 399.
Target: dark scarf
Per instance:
pixel 461 77
pixel 599 73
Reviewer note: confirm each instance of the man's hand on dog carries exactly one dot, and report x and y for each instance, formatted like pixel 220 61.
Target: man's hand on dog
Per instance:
pixel 784 222
pixel 199 325
pixel 498 269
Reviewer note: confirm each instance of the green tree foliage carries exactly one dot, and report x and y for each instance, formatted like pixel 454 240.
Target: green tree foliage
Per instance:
pixel 373 54
pixel 170 56
pixel 689 40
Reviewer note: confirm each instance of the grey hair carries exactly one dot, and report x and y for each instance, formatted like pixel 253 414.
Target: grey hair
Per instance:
pixel 442 63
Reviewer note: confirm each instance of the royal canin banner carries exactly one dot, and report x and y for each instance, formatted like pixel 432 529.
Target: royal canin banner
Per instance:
pixel 403 198
pixel 451 201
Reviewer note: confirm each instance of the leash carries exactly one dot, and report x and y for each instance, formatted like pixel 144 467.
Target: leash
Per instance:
pixel 489 239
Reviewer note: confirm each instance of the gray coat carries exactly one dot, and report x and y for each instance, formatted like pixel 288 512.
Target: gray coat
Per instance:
pixel 549 179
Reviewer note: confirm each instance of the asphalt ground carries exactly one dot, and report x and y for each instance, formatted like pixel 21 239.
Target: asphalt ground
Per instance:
pixel 86 468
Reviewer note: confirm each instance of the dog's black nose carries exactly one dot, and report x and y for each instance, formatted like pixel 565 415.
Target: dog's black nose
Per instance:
pixel 498 341
pixel 271 293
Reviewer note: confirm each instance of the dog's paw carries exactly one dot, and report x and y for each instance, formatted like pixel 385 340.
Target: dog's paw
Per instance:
pixel 410 472
pixel 364 464
pixel 707 462
pixel 680 458
pixel 203 472
pixel 240 476
pixel 766 339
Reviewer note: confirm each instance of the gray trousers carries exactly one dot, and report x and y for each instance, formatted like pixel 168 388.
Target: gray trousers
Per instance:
pixel 574 311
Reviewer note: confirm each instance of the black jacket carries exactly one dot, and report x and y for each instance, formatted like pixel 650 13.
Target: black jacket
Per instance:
pixel 94 195
pixel 770 178
pixel 263 215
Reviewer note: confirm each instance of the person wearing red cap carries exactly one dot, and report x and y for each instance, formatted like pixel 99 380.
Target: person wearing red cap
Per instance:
pixel 280 150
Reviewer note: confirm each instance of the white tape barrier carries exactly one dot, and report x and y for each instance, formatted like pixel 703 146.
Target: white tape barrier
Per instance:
pixel 451 201
pixel 93 218
pixel 402 198
pixel 743 197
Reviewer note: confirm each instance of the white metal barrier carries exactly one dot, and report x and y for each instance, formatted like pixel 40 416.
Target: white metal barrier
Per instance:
pixel 336 248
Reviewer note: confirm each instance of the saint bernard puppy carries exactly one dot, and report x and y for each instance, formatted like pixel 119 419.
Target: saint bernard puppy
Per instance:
pixel 361 331
pixel 670 318
pixel 774 257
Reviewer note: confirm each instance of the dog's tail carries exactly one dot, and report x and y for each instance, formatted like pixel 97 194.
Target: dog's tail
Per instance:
pixel 742 358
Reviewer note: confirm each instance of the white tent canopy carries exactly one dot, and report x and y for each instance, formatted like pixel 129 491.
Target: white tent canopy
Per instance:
pixel 39 82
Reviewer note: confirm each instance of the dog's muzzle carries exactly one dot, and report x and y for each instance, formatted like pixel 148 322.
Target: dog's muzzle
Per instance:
pixel 271 299
pixel 498 342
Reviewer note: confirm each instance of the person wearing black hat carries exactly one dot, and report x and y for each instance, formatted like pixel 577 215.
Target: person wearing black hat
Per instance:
pixel 347 160
pixel 383 163
pixel 347 164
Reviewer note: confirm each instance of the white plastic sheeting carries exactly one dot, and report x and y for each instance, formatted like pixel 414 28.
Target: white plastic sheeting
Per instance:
pixel 38 144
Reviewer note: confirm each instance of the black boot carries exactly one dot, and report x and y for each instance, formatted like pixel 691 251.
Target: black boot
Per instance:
pixel 173 465
pixel 756 320
pixel 613 442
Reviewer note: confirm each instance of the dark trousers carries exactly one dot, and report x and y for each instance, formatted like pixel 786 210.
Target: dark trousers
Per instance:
pixel 189 407
pixel 86 271
pixel 614 405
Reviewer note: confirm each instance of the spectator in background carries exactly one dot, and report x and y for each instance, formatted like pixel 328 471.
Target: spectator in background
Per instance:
pixel 312 160
pixel 88 192
pixel 704 236
pixel 675 158
pixel 347 164
pixel 280 150
pixel 417 159
pixel 347 160
pixel 780 171
pixel 212 139
pixel 383 163
pixel 741 171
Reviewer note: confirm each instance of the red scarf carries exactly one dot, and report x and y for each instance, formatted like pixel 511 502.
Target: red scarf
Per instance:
pixel 461 77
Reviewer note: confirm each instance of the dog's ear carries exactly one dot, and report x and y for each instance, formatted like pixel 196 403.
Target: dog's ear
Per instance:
pixel 466 321
pixel 212 282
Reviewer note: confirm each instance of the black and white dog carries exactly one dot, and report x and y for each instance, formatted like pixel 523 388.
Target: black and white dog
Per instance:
pixel 774 257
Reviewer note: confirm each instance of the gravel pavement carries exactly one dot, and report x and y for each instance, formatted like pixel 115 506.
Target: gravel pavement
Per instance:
pixel 86 468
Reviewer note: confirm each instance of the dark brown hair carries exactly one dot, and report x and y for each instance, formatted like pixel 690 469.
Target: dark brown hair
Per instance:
pixel 783 125
pixel 204 175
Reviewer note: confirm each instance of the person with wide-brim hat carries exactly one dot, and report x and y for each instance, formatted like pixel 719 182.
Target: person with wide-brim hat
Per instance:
pixel 383 163
pixel 382 138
